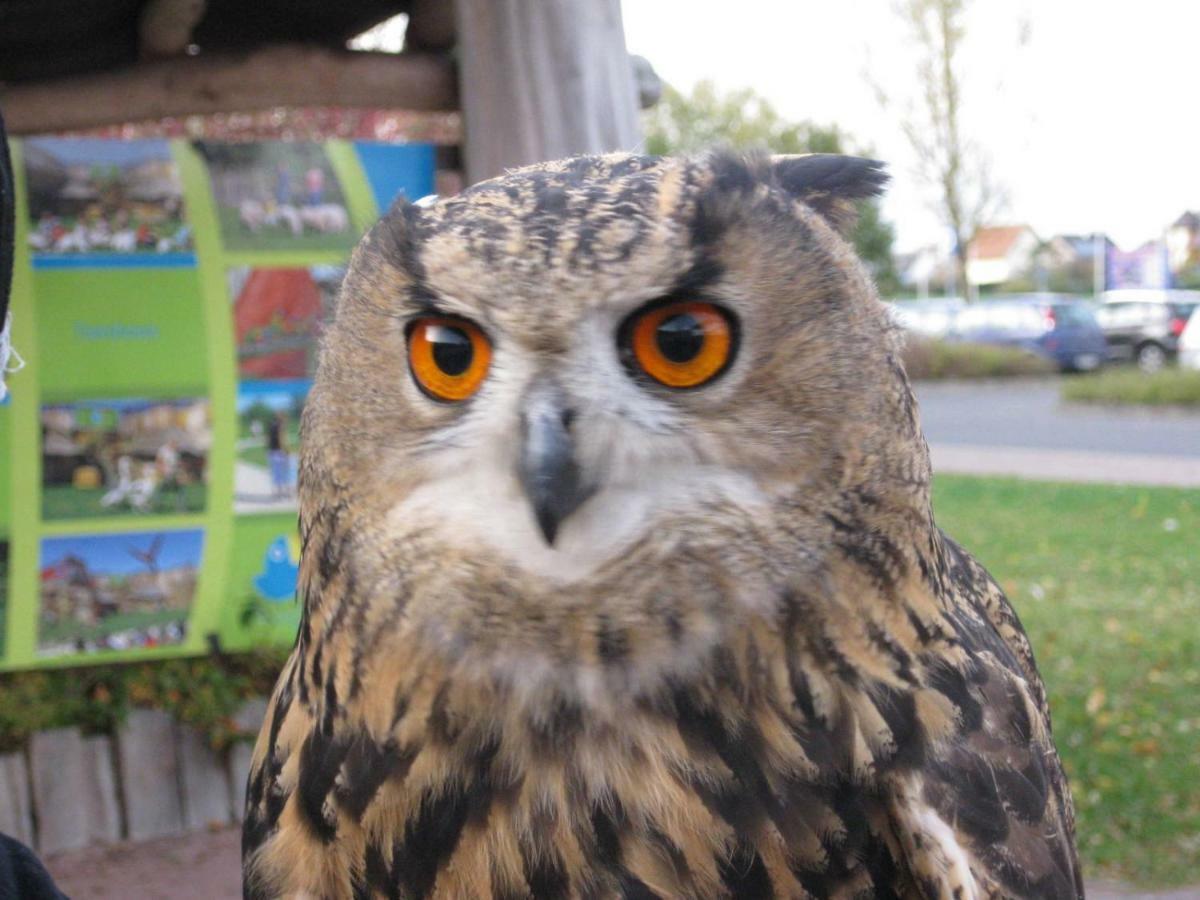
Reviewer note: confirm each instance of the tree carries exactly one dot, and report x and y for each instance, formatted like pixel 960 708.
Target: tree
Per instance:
pixel 743 120
pixel 953 166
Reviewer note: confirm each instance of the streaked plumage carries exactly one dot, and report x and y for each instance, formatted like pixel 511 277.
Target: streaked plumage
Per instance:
pixel 748 665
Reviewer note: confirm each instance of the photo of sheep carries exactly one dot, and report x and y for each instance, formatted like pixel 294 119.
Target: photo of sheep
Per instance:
pixel 277 196
pixel 278 314
pixel 125 591
pixel 104 199
pixel 125 457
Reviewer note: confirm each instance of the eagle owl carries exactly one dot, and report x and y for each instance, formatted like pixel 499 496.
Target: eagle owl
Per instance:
pixel 620 577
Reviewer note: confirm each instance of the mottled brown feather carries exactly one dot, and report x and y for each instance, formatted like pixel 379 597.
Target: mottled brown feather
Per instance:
pixel 809 693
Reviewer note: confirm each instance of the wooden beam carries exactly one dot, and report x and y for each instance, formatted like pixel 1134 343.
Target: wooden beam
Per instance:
pixel 165 26
pixel 280 75
pixel 542 79
pixel 430 25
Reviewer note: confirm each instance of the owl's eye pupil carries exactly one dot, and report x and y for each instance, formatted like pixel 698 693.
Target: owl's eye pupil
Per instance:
pixel 680 338
pixel 452 348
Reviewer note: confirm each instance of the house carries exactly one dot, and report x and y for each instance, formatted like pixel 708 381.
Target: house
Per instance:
pixel 1000 253
pixel 1183 242
pixel 921 269
pixel 1066 250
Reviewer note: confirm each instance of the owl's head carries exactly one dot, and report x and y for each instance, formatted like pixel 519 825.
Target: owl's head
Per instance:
pixel 566 365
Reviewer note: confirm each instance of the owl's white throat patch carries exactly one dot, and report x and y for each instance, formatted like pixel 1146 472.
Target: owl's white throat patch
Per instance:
pixel 482 508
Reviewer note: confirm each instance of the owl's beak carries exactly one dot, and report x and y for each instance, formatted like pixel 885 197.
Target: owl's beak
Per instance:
pixel 548 470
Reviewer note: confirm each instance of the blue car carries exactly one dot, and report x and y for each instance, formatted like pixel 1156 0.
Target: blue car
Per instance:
pixel 1062 329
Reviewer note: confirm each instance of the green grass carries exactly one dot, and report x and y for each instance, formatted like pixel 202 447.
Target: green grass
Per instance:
pixel 270 238
pixel 1170 387
pixel 73 631
pixel 66 502
pixel 3 594
pixel 1107 582
pixel 927 359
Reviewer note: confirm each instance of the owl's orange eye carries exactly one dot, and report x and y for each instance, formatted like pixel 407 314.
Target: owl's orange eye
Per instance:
pixel 449 357
pixel 681 345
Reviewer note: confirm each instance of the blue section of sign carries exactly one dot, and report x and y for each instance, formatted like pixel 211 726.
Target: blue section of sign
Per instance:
pixel 397 169
pixel 277 581
pixel 114 261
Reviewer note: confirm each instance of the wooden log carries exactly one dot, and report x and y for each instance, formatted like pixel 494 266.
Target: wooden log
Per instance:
pixel 542 79
pixel 280 75
pixel 249 719
pixel 205 782
pixel 150 775
pixel 56 758
pixel 101 808
pixel 15 818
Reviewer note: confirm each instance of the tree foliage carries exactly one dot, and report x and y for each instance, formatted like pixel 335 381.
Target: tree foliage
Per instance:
pixel 743 120
pixel 954 168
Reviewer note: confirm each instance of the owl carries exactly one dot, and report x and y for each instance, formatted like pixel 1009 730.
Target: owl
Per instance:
pixel 620 575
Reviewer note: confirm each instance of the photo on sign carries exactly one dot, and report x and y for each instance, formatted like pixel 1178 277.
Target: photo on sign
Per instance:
pixel 268 442
pixel 278 315
pixel 261 605
pixel 130 457
pixel 277 196
pixel 113 592
pixel 105 199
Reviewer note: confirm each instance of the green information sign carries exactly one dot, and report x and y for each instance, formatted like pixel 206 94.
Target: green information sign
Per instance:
pixel 168 300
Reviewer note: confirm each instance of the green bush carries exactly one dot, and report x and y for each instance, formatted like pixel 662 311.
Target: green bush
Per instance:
pixel 1170 387
pixel 204 693
pixel 926 359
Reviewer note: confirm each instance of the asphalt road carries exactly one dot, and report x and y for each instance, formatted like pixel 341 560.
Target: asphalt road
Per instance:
pixel 1028 414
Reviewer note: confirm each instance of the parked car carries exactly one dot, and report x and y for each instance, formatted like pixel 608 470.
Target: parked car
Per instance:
pixel 933 317
pixel 1143 326
pixel 1060 328
pixel 1189 342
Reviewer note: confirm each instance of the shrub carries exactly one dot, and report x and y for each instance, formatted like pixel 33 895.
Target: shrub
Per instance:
pixel 1170 387
pixel 204 692
pixel 926 359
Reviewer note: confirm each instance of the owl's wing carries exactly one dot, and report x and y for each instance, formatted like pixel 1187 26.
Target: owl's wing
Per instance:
pixel 989 808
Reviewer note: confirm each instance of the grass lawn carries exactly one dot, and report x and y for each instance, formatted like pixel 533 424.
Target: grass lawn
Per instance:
pixel 1129 385
pixel 1107 582
pixel 66 502
pixel 238 237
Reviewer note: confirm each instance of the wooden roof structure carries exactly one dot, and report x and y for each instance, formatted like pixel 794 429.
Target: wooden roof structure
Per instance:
pixel 534 79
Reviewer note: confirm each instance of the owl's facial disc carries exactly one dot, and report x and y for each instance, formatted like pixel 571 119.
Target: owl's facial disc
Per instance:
pixel 547 467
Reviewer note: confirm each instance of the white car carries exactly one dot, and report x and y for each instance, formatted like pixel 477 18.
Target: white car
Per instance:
pixel 1189 343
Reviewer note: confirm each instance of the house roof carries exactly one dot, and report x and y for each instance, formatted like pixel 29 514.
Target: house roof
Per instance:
pixel 996 241
pixel 1188 220
pixel 1082 245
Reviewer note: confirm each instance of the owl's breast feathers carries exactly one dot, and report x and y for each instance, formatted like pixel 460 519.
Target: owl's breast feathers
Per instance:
pixel 886 736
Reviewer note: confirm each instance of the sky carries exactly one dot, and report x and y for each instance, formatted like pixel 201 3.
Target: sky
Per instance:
pixel 75 151
pixel 109 554
pixel 1086 110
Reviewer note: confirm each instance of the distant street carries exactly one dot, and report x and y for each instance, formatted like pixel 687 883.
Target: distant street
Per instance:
pixel 1021 428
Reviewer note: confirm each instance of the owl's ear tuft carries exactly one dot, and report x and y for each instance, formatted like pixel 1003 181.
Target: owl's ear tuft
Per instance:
pixel 830 183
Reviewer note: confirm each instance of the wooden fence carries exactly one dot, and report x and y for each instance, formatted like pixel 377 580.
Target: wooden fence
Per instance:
pixel 155 777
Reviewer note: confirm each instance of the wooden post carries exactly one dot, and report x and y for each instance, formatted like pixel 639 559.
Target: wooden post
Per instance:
pixel 542 79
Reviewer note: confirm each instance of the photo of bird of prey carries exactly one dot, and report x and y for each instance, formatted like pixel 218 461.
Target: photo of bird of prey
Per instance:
pixel 620 573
